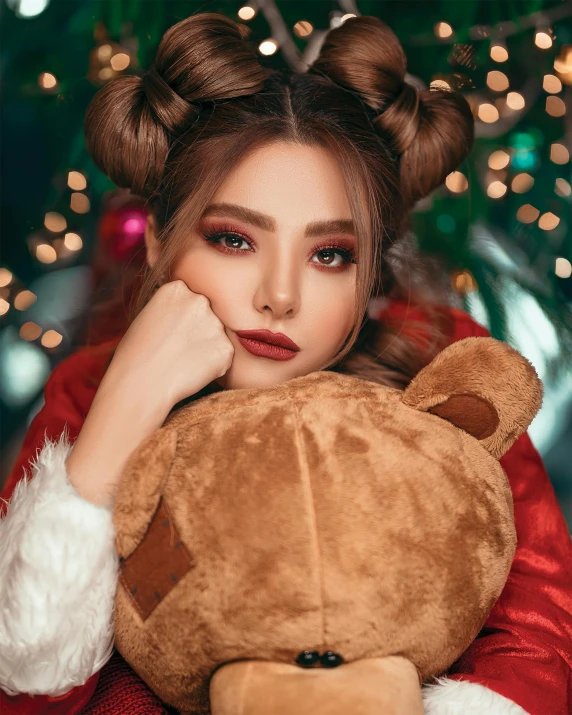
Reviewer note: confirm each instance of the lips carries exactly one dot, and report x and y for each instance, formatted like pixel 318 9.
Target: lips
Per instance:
pixel 267 336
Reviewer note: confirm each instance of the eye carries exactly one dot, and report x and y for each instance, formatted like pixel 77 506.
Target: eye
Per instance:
pixel 230 242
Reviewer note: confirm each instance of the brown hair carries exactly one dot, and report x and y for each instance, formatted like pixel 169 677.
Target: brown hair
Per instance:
pixel 174 134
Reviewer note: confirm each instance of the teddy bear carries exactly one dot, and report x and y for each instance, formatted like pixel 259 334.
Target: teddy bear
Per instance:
pixel 325 545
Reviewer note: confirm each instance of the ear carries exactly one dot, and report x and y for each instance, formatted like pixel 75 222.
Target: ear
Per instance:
pixel 482 386
pixel 141 487
pixel 151 242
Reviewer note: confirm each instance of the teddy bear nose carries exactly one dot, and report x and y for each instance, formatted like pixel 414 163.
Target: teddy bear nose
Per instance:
pixel 309 658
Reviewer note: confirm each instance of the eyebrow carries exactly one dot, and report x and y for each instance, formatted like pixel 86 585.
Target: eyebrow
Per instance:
pixel 267 223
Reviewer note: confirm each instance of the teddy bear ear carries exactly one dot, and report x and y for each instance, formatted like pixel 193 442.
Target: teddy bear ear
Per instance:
pixel 482 386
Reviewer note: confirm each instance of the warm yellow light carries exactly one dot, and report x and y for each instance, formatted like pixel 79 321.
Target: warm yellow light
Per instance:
pixel 104 53
pixel 303 28
pixel 55 222
pixel 563 268
pixel 497 80
pixel 47 80
pixel 120 61
pixel 563 63
pixel 5 277
pixel 515 100
pixel 464 282
pixel 30 331
pixel 499 53
pixel 51 339
pixel 4 306
pixel 268 47
pixel 488 113
pixel 562 187
pixel 496 189
pixel 79 203
pixel 246 12
pixel 555 107
pixel 72 241
pixel 542 40
pixel 559 154
pixel 457 182
pixel 551 84
pixel 548 221
pixel 499 159
pixel 527 213
pixel 522 183
pixel 440 84
pixel 443 29
pixel 45 253
pixel 105 73
pixel 24 300
pixel 76 181
pixel 346 17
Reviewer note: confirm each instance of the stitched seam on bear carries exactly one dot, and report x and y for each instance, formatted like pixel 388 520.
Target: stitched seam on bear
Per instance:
pixel 307 484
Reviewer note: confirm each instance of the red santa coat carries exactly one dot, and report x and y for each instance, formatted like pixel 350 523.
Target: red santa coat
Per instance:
pixel 524 651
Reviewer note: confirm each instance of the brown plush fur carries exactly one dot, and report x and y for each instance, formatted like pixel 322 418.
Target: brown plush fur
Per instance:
pixel 325 513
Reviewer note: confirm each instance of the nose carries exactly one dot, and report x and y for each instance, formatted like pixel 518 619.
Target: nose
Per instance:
pixel 279 287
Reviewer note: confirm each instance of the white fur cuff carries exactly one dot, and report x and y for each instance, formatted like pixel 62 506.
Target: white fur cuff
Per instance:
pixel 462 697
pixel 58 577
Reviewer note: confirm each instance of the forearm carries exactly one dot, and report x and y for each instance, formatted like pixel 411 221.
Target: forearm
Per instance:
pixel 59 571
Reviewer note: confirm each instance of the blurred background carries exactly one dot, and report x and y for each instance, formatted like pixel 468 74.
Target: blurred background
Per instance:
pixel 72 244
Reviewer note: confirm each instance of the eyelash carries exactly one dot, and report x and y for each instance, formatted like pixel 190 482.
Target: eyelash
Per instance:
pixel 347 255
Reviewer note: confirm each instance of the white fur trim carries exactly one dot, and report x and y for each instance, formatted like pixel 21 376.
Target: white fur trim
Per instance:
pixel 462 697
pixel 58 577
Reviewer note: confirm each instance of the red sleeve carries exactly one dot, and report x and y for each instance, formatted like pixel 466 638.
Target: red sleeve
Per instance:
pixel 524 651
pixel 60 408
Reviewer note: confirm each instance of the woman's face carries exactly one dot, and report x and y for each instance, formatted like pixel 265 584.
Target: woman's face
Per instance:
pixel 269 261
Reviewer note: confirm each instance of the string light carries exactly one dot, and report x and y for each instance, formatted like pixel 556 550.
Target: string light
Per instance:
pixel 5 277
pixel 24 300
pixel 303 29
pixel 120 61
pixel 515 100
pixel 548 221
pixel 562 187
pixel 499 52
pixel 464 282
pixel 79 203
pixel 440 84
pixel 527 213
pixel 559 154
pixel 522 183
pixel 76 181
pixel 542 40
pixel 47 80
pixel 30 331
pixel 55 222
pixel 457 182
pixel 551 84
pixel 73 242
pixel 45 253
pixel 443 29
pixel 4 306
pixel 496 189
pixel 555 107
pixel 267 47
pixel 345 17
pixel 246 12
pixel 51 339
pixel 499 159
pixel 563 268
pixel 497 81
pixel 488 113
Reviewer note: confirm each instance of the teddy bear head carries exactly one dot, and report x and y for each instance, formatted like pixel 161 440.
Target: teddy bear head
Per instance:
pixel 322 521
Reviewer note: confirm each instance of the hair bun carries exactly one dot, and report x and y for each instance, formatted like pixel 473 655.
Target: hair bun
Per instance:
pixel 174 112
pixel 432 130
pixel 131 122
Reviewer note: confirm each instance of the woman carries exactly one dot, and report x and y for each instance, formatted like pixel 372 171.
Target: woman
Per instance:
pixel 274 199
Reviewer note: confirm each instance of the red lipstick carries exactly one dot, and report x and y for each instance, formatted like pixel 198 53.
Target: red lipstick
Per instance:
pixel 265 343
